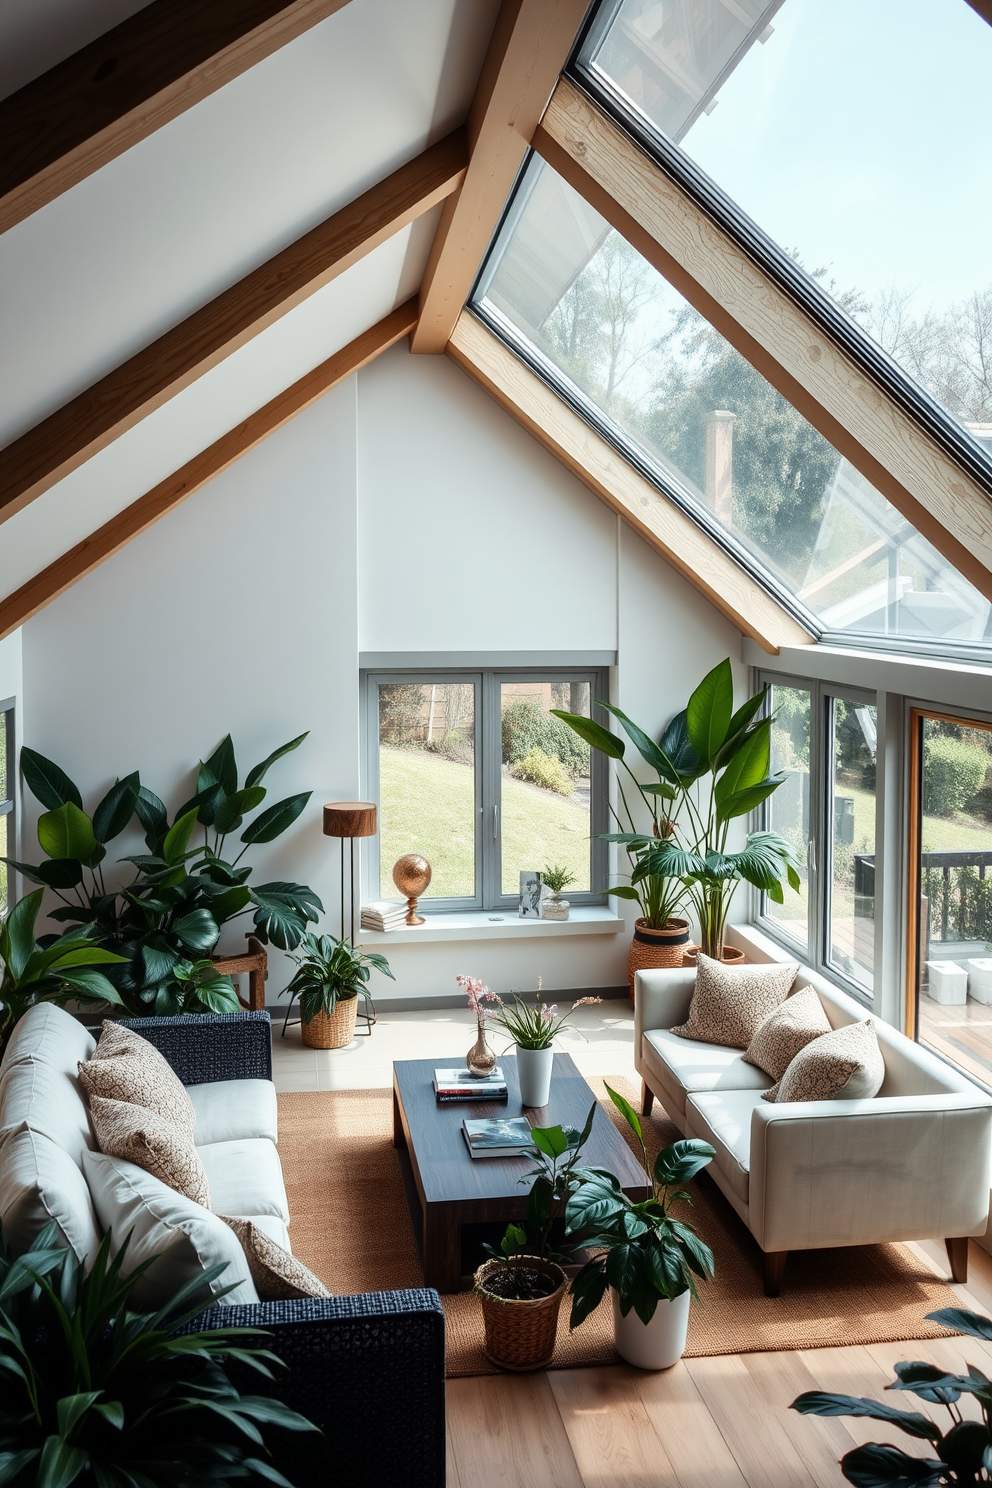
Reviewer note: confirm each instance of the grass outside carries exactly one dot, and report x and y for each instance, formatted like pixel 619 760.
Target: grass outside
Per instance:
pixel 428 806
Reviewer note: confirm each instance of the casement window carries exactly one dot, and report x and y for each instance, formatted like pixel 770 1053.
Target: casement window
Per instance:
pixel 6 796
pixel 472 770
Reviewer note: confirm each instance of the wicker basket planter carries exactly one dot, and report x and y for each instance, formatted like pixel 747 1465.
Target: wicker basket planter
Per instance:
pixel 729 954
pixel 332 1030
pixel 520 1335
pixel 654 948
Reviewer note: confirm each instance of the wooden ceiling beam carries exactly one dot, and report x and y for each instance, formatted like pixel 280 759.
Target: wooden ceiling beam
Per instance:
pixel 769 329
pixel 91 421
pixel 530 44
pixel 99 102
pixel 588 456
pixel 136 518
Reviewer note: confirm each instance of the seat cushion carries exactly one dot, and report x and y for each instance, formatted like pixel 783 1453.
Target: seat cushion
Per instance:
pixel 40 1182
pixel 185 1237
pixel 683 1066
pixel 48 1099
pixel 126 1067
pixel 153 1143
pixel 273 1226
pixel 51 1034
pixel 730 1002
pixel 245 1178
pixel 227 1110
pixel 277 1274
pixel 723 1117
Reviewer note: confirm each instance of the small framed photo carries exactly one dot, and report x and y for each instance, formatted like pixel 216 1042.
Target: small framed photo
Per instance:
pixel 530 895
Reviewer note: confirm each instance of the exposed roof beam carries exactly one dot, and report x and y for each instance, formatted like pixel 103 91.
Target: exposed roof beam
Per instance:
pixel 91 421
pixel 530 44
pixel 673 534
pixel 113 535
pixel 99 102
pixel 984 8
pixel 770 330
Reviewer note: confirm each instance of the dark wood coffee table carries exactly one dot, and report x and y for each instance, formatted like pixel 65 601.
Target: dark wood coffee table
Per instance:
pixel 447 1189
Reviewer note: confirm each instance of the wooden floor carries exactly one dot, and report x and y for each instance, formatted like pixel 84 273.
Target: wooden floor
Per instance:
pixel 708 1423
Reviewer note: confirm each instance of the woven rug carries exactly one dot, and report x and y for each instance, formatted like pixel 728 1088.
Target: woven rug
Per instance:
pixel 351 1225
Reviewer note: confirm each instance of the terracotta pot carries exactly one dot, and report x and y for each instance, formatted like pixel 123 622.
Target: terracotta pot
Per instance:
pixel 653 948
pixel 520 1335
pixel 730 954
pixel 332 1030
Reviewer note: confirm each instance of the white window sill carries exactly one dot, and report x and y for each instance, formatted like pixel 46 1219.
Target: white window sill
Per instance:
pixel 500 924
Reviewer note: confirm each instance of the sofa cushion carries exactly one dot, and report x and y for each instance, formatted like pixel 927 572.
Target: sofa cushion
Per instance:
pixel 273 1226
pixel 845 1064
pixel 50 1033
pixel 39 1182
pixel 245 1178
pixel 128 1068
pixel 227 1110
pixel 797 1022
pixel 49 1100
pixel 153 1143
pixel 729 1002
pixel 682 1065
pixel 723 1117
pixel 277 1274
pixel 185 1237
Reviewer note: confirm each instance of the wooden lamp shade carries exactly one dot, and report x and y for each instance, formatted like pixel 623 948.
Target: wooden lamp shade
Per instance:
pixel 350 819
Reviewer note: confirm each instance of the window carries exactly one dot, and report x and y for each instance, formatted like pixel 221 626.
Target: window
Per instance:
pixel 472 770
pixel 6 795
pixel 824 740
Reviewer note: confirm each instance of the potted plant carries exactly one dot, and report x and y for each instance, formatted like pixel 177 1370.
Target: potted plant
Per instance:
pixel 331 974
pixel 520 1288
pixel 644 1254
pixel 65 970
pixel 554 879
pixel 97 1394
pixel 533 1027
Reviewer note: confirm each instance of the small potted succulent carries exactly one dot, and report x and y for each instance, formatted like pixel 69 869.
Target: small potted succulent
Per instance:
pixel 533 1027
pixel 554 879
pixel 520 1288
pixel 330 977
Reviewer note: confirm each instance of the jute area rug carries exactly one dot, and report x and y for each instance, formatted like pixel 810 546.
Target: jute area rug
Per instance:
pixel 351 1225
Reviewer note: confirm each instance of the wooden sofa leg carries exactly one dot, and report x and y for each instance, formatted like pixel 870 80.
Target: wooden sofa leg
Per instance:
pixel 957 1255
pixel 774 1271
pixel 647 1101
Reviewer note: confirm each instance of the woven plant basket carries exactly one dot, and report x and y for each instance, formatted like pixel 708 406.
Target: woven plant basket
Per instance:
pixel 730 955
pixel 650 949
pixel 332 1030
pixel 520 1335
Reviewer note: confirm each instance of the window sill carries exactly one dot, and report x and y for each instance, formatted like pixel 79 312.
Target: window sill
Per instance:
pixel 497 924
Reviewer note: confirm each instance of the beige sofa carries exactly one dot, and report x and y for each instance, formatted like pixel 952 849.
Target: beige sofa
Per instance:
pixel 911 1164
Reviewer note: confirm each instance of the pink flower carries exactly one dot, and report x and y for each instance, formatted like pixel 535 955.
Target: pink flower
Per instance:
pixel 477 993
pixel 585 1002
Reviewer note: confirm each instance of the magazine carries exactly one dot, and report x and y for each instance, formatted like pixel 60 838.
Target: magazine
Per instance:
pixel 498 1136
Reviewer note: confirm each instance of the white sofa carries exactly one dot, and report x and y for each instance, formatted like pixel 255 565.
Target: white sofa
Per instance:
pixel 911 1164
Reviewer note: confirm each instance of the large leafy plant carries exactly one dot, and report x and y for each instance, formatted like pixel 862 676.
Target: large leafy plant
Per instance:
pixel 963 1452
pixel 98 1395
pixel 66 970
pixel 186 886
pixel 642 1250
pixel 329 971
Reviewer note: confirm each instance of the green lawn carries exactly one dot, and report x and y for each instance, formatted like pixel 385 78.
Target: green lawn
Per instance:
pixel 954 833
pixel 428 807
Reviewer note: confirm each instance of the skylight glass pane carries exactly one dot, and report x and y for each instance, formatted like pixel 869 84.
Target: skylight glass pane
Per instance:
pixel 857 136
pixel 710 429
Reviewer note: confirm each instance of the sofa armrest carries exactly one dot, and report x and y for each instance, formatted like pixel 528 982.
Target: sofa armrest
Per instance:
pixel 211 1046
pixel 858 1172
pixel 368 1370
pixel 661 999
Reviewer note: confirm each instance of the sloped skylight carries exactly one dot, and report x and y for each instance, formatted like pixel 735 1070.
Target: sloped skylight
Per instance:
pixel 612 335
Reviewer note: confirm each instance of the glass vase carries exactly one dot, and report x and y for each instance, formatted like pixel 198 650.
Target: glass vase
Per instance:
pixel 480 1059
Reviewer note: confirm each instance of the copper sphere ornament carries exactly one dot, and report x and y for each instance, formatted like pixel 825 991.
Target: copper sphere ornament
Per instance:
pixel 412 875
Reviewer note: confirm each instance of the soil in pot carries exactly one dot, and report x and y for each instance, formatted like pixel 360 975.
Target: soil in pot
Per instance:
pixel 520 1330
pixel 518 1285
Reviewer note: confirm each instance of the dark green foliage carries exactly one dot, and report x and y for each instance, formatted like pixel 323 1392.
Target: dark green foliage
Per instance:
pixel 954 771
pixel 106 1398
pixel 64 971
pixel 556 1177
pixel 526 727
pixel 330 971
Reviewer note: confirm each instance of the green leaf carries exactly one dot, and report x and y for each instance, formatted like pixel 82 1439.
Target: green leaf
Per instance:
pixel 222 767
pixel 67 832
pixel 153 816
pixel 588 1290
pixel 113 1412
pixel 624 891
pixel 682 1160
pixel 710 709
pixel 550 1140
pixel 257 773
pixel 824 1403
pixel 177 838
pixel 55 873
pixel 283 912
pixel 877 1466
pixel 90 985
pixel 627 1111
pixel 743 801
pixel 233 809
pixel 650 752
pixel 273 822
pixel 593 733
pixel 50 784
pixel 963 1321
pixel 198 930
pixel 17 936
pixel 748 764
pixel 116 809
pixel 71 1407
pixel 60 1463
pixel 675 744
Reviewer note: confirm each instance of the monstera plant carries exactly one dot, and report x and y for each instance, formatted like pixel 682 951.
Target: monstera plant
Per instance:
pixel 167 920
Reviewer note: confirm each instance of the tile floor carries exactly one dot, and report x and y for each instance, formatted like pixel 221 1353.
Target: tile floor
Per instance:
pixel 599 1039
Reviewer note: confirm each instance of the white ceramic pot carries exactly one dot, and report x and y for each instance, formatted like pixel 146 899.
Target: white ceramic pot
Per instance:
pixel 658 1344
pixel 534 1073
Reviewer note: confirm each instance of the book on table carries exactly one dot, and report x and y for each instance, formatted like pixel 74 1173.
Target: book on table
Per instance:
pixel 462 1085
pixel 498 1136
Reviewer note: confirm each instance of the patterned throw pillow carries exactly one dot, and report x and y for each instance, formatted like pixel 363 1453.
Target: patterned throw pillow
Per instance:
pixel 730 1002
pixel 844 1064
pixel 126 1067
pixel 151 1142
pixel 784 1032
pixel 277 1274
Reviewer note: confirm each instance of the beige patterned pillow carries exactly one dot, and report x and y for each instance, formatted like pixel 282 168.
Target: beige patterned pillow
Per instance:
pixel 126 1067
pixel 730 1002
pixel 277 1274
pixel 844 1064
pixel 798 1021
pixel 151 1142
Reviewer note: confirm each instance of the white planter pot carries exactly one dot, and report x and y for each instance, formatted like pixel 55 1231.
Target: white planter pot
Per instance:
pixel 658 1344
pixel 534 1073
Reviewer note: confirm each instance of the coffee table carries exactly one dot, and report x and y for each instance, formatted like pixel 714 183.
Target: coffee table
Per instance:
pixel 447 1189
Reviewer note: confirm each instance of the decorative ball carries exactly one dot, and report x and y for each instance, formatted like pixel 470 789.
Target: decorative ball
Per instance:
pixel 411 875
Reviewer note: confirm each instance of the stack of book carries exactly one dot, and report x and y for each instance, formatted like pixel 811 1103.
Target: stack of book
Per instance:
pixel 383 914
pixel 459 1085
pixel 499 1136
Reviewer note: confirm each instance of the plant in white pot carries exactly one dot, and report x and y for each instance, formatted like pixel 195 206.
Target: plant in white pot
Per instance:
pixel 644 1254
pixel 533 1027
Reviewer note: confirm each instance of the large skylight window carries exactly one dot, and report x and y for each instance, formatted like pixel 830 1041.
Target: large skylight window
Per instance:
pixel 603 326
pixel 857 136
